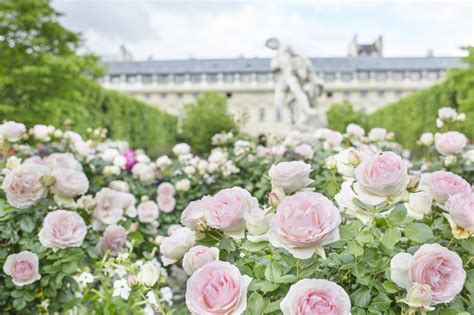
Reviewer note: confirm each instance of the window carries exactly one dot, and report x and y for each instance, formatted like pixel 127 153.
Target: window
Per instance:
pixel 415 75
pixel 380 76
pixel 346 76
pixel 115 79
pixel 328 94
pixel 279 115
pixel 347 94
pixel 262 77
pixel 131 78
pixel 195 78
pixel 228 77
pixel 163 95
pixel 245 77
pixel 179 95
pixel 363 75
pixel 329 76
pixel 380 94
pixel 179 78
pixel 163 78
pixel 433 75
pixel 261 114
pixel 147 79
pixel 364 94
pixel 398 93
pixel 397 75
pixel 211 77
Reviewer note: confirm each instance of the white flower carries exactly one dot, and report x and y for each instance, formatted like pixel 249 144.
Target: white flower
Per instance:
pixel 167 295
pixel 181 148
pixel 41 133
pixel 110 170
pixel 84 279
pixel 447 114
pixel 377 134
pixel 163 162
pixel 426 138
pixel 151 298
pixel 419 204
pixel 120 161
pixel 174 247
pixel 109 154
pixel 121 289
pixel 149 274
pixel 183 184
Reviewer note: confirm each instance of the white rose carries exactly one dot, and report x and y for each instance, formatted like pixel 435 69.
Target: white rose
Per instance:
pixel 447 114
pixel 163 162
pixel 419 204
pixel 148 211
pixel 198 256
pixel 69 183
pixel 12 131
pixel 149 274
pixel 427 138
pixel 119 185
pixel 41 133
pixel 291 176
pixel 181 148
pixel 120 161
pixel 109 154
pixel 257 222
pixel 377 134
pixel 174 247
pixel 183 184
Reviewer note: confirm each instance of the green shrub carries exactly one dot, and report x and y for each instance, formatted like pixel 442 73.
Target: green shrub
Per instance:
pixel 203 119
pixel 340 115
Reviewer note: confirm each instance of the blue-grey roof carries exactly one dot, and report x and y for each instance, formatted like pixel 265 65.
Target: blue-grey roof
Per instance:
pixel 240 65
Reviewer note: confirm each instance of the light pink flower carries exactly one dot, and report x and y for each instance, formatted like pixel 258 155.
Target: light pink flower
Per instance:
pixel 148 211
pixel 225 210
pixel 166 189
pixel 461 210
pixel 450 143
pixel 217 288
pixel 166 203
pixel 111 206
pixel 69 182
pixel 23 187
pixel 355 131
pixel 194 212
pixel 63 160
pixel 441 185
pixel 113 240
pixel 23 268
pixel 173 247
pixel 434 265
pixel 12 131
pixel 198 256
pixel 333 138
pixel 316 296
pixel 384 174
pixel 291 176
pixel 62 229
pixel 305 151
pixel 303 223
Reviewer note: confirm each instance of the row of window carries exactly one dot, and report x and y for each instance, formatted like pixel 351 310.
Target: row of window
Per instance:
pixel 265 77
pixel 262 114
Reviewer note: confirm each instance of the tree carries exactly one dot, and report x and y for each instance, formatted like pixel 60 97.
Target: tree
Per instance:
pixel 340 115
pixel 203 119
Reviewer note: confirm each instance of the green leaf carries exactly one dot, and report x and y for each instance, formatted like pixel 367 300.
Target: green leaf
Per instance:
pixel 136 236
pixel 418 232
pixel 228 245
pixel 254 247
pixel 389 286
pixel 397 215
pixel 355 249
pixel 273 306
pixel 69 268
pixel 365 237
pixel 27 224
pixel 273 272
pixel 256 304
pixel 391 237
pixel 361 297
pixel 468 245
pixel 286 279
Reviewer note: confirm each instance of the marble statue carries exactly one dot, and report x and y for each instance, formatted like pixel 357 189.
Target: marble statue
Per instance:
pixel 297 87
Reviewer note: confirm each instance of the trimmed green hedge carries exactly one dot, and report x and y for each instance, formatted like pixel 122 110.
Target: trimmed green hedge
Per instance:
pixel 124 116
pixel 342 114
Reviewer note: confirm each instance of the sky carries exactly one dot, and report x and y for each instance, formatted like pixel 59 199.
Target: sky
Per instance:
pixel 228 29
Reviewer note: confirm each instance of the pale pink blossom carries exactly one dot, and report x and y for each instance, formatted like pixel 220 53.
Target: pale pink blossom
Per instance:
pixel 22 267
pixel 62 229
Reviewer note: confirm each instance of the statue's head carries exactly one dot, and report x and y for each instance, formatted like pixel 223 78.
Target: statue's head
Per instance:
pixel 272 43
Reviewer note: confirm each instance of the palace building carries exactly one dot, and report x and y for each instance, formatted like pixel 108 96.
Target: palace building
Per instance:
pixel 364 78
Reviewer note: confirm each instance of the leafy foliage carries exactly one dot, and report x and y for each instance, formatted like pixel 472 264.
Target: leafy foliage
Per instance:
pixel 340 115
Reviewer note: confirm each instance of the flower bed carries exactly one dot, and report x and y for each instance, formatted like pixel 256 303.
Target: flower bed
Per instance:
pixel 340 224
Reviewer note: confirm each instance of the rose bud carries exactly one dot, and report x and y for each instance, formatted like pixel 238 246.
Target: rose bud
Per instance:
pixel 276 196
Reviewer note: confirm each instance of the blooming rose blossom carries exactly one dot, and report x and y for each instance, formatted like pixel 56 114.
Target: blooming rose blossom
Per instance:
pixel 22 267
pixel 377 134
pixel 305 151
pixel 441 185
pixel 119 185
pixel 217 288
pixel 12 131
pixel 344 199
pixel 149 274
pixel 355 131
pixel 166 189
pixel 23 187
pixel 345 161
pixel 63 160
pixel 303 223
pixel 174 247
pixel 419 298
pixel 113 240
pixel 383 174
pixel 183 184
pixel 111 206
pixel 316 296
pixel 198 256
pixel 181 148
pixel 258 223
pixel 461 210
pixel 226 210
pixel 69 182
pixel 194 213
pixel 426 138
pixel 166 203
pixel 163 162
pixel 42 132
pixel 434 265
pixel 62 229
pixel 130 160
pixel 447 114
pixel 419 204
pixel 148 211
pixel 333 138
pixel 144 172
pixel 291 176
pixel 451 142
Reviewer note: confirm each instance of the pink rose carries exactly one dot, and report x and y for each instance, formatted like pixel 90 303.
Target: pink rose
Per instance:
pixel 173 247
pixel 461 210
pixel 198 256
pixel 451 142
pixel 316 296
pixel 194 213
pixel 355 131
pixel 377 134
pixel 434 265
pixel 217 288
pixel 23 268
pixel 383 174
pixel 166 189
pixel 225 211
pixel 111 206
pixel 305 151
pixel 62 229
pixel 333 138
pixel 441 185
pixel 303 223
pixel 63 160
pixel 12 131
pixel 166 203
pixel 291 176
pixel 23 187
pixel 148 211
pixel 69 182
pixel 113 240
